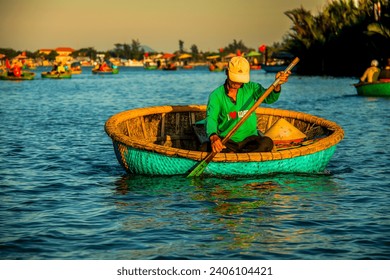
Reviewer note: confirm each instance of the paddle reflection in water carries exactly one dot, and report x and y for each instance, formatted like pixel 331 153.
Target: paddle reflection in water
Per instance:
pixel 267 217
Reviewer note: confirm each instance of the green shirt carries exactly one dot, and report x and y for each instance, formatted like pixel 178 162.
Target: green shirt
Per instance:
pixel 223 114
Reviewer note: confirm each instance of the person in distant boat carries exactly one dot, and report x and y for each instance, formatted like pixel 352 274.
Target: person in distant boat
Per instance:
pixel 104 67
pixel 171 65
pixel 384 75
pixel 229 102
pixel 60 68
pixel 54 68
pixel 371 74
pixel 16 69
pixel 213 65
pixel 7 67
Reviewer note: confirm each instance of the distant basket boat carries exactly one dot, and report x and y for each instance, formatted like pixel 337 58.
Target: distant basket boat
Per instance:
pixel 75 67
pixel 375 89
pixel 187 67
pixel 171 67
pixel 276 68
pixel 215 69
pixel 50 75
pixel 257 67
pixel 279 62
pixel 110 71
pixel 162 141
pixel 25 75
pixel 150 67
pixel 273 68
pixel 76 72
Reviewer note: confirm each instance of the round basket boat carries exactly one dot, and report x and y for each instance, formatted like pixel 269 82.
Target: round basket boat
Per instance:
pixel 165 140
pixel 375 89
pixel 49 75
pixel 26 75
pixel 106 72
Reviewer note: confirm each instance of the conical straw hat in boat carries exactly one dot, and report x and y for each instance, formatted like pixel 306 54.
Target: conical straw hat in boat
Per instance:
pixel 284 132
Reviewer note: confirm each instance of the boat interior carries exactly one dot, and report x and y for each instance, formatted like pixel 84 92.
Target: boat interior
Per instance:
pixel 186 129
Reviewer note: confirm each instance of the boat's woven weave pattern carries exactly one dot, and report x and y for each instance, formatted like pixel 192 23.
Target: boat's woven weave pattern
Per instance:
pixel 146 162
pixel 157 136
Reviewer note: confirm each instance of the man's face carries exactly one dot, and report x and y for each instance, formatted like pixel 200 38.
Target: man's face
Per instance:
pixel 234 85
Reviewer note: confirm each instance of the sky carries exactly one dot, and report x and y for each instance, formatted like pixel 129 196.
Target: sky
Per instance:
pixel 160 24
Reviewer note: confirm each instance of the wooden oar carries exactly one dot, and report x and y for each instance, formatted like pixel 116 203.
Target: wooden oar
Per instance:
pixel 198 170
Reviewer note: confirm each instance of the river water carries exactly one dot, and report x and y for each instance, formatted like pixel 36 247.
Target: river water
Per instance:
pixel 63 195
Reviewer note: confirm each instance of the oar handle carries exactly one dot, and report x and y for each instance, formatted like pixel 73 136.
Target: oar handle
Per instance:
pixel 289 68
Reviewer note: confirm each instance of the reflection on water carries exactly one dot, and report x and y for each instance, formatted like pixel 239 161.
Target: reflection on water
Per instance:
pixel 262 214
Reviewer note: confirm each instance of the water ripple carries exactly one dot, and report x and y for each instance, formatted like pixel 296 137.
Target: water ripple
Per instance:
pixel 64 196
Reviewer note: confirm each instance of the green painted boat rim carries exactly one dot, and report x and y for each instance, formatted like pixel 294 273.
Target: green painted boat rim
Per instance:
pixel 26 75
pixel 370 84
pixel 56 76
pixel 374 89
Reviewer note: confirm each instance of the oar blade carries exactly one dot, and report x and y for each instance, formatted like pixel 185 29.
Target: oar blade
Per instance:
pixel 198 170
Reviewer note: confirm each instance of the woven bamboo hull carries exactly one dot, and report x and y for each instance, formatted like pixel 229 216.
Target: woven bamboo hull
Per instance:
pixel 111 71
pixel 49 75
pixel 25 76
pixel 161 141
pixel 217 70
pixel 276 68
pixel 373 89
pixel 151 67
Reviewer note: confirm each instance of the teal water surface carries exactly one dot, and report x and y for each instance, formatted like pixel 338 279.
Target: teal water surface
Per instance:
pixel 63 195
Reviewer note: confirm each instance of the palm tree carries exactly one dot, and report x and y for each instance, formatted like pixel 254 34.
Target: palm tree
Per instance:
pixel 305 29
pixel 336 41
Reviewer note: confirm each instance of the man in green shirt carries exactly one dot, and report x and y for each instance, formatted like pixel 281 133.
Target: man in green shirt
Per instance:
pixel 228 104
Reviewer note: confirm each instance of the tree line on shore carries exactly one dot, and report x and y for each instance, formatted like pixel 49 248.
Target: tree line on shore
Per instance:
pixel 133 51
pixel 340 40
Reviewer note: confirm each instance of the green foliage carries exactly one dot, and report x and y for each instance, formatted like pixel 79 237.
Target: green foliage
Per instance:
pixel 51 56
pixel 10 53
pixel 194 50
pixel 236 46
pixel 181 46
pixel 85 52
pixel 341 39
pixel 126 51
